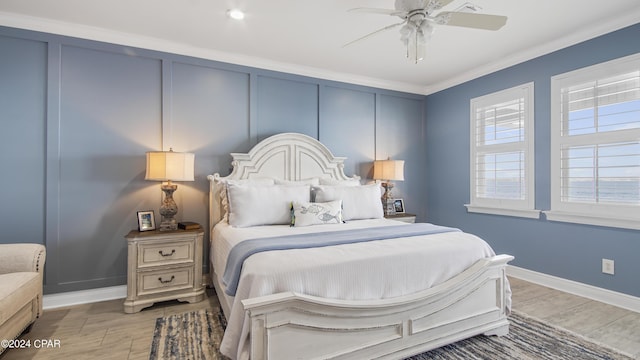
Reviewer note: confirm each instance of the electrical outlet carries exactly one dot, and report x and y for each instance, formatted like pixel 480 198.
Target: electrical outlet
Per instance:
pixel 608 266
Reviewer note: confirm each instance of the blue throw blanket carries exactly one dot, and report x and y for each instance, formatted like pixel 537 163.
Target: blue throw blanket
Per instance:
pixel 247 248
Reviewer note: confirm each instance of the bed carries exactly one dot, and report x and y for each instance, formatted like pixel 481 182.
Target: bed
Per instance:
pixel 424 287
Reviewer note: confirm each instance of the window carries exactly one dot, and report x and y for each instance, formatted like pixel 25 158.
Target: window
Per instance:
pixel 595 145
pixel 502 173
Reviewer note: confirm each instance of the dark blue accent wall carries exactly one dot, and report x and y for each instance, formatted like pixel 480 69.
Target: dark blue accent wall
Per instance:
pixel 78 116
pixel 565 250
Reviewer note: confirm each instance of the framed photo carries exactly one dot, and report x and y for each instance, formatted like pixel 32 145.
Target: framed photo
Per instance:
pixel 146 220
pixel 398 206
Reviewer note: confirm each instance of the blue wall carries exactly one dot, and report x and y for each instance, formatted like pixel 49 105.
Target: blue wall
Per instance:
pixel 565 250
pixel 78 116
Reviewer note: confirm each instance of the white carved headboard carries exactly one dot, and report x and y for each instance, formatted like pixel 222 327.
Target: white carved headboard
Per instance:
pixel 286 156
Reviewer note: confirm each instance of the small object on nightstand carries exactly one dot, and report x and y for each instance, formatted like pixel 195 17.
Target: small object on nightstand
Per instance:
pixel 398 206
pixel 188 225
pixel 163 265
pixel 388 170
pixel 404 217
pixel 169 166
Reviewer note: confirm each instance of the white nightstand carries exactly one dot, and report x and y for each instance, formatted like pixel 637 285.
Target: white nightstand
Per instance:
pixel 163 265
pixel 404 217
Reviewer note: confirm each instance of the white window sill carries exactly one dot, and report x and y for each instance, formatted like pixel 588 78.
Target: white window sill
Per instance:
pixel 531 214
pixel 598 220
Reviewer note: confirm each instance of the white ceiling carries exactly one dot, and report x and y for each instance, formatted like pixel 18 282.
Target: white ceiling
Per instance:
pixel 306 37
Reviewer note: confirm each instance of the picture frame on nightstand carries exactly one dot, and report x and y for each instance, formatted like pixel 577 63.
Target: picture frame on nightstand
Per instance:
pixel 146 220
pixel 398 206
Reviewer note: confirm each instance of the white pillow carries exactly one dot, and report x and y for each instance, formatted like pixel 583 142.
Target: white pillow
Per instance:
pixel 310 181
pixel 334 182
pixel 263 205
pixel 358 202
pixel 222 192
pixel 314 213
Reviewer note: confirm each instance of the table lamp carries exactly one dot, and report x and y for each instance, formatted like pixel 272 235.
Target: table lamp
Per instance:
pixel 169 166
pixel 387 171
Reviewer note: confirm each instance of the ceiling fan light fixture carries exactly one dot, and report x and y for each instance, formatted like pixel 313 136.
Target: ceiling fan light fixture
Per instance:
pixel 405 32
pixel 415 38
pixel 419 19
pixel 416 46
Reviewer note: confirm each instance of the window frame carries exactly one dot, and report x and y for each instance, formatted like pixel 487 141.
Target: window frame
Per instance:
pixel 612 215
pixel 495 206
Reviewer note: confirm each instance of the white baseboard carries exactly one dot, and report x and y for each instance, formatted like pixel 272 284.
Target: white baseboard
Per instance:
pixel 53 301
pixel 573 287
pixel 625 301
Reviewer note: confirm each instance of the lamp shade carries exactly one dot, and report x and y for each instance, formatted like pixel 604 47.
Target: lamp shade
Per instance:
pixel 388 170
pixel 169 165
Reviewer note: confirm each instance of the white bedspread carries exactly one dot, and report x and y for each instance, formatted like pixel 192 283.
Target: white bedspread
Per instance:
pixel 361 271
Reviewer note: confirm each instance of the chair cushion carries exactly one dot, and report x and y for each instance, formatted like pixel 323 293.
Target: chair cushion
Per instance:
pixel 16 290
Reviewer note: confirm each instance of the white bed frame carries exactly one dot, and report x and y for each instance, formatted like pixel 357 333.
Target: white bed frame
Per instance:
pixel 297 326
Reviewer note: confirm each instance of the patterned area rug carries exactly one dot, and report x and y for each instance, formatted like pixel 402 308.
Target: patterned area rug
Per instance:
pixel 193 335
pixel 197 335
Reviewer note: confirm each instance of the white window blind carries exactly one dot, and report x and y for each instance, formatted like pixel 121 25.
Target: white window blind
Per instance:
pixel 596 144
pixel 601 106
pixel 601 173
pixel 502 153
pixel 499 154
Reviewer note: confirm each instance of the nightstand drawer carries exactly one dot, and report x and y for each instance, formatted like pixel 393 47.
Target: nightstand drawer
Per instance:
pixel 161 254
pixel 163 265
pixel 150 282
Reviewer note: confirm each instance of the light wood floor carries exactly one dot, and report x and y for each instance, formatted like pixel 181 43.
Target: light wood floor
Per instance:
pixel 103 331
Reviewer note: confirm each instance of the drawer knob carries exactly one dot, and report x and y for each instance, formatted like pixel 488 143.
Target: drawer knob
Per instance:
pixel 173 251
pixel 166 281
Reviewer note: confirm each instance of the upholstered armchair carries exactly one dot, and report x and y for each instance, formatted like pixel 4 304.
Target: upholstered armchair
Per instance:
pixel 21 273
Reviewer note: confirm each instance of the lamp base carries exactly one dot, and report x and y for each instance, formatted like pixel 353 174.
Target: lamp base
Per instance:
pixel 168 209
pixel 387 199
pixel 168 224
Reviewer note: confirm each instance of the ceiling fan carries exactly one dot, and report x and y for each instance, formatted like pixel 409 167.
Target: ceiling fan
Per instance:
pixel 419 18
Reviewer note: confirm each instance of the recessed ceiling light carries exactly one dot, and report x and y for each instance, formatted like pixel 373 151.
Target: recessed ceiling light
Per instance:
pixel 235 14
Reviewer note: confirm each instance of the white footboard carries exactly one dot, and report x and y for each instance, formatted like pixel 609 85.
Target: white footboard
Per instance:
pixel 295 326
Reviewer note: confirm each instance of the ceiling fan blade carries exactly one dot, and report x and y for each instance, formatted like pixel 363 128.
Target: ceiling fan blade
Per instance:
pixel 379 11
pixel 470 20
pixel 409 5
pixel 375 32
pixel 434 5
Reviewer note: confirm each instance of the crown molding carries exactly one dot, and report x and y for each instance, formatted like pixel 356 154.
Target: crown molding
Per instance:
pixel 581 35
pixel 151 43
